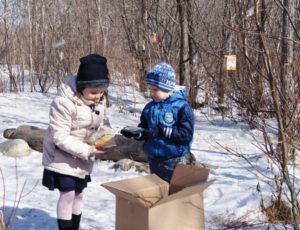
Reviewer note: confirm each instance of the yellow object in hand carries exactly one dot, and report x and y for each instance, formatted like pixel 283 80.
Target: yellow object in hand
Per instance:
pixel 105 141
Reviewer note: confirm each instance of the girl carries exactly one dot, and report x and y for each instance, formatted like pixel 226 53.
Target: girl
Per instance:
pixel 77 112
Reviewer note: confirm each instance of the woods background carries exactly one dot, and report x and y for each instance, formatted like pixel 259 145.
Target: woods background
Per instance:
pixel 44 40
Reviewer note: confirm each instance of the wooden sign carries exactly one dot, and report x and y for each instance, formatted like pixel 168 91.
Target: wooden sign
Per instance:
pixel 230 62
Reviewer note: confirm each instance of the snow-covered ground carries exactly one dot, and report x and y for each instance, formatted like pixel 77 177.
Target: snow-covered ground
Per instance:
pixel 233 196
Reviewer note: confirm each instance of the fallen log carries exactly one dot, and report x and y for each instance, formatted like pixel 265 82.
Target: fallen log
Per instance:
pixel 31 134
pixel 125 148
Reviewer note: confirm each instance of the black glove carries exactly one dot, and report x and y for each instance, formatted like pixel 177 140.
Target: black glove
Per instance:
pixel 150 133
pixel 131 131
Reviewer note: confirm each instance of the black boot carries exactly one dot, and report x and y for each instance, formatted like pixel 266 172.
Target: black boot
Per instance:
pixel 75 221
pixel 64 224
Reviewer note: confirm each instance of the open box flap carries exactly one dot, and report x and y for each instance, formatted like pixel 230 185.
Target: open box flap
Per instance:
pixel 145 190
pixel 119 193
pixel 187 175
pixel 198 188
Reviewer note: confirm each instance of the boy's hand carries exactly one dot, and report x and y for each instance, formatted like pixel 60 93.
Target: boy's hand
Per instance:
pixel 150 133
pixel 140 133
pixel 130 131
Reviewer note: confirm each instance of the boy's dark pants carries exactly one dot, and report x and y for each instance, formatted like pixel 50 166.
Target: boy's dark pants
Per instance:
pixel 164 168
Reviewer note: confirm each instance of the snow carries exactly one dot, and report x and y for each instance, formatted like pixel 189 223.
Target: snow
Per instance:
pixel 233 196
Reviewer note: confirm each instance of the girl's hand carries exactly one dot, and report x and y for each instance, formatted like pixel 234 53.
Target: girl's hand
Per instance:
pixel 94 151
pixel 103 128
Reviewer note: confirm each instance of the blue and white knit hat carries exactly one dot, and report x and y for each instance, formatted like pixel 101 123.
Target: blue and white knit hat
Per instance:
pixel 162 76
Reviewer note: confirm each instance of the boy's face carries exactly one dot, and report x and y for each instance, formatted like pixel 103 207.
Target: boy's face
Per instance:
pixel 93 94
pixel 158 94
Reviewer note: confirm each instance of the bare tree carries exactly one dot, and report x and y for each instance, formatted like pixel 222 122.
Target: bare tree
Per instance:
pixel 274 64
pixel 182 6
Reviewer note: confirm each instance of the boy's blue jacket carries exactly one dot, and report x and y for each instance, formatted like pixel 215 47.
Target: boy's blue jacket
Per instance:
pixel 177 116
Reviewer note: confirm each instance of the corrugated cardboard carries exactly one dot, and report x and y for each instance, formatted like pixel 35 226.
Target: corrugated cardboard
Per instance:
pixel 143 203
pixel 145 190
pixel 186 176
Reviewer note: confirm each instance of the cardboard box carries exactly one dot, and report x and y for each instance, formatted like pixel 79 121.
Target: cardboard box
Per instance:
pixel 150 203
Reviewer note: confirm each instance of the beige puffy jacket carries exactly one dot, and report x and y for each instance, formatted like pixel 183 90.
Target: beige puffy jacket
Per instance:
pixel 71 122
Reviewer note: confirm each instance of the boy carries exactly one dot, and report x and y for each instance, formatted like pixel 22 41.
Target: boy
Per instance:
pixel 166 125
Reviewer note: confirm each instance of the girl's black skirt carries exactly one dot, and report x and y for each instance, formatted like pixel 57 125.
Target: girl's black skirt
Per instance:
pixel 64 183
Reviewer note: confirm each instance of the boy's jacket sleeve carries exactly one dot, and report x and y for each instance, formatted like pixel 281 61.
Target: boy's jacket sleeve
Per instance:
pixel 182 133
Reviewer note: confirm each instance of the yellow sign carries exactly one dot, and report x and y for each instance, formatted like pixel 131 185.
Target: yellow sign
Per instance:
pixel 231 62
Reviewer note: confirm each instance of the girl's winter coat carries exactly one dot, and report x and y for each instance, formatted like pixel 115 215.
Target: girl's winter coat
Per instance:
pixel 71 121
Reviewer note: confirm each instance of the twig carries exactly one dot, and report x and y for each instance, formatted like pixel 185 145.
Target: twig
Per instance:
pixel 3 202
pixel 13 216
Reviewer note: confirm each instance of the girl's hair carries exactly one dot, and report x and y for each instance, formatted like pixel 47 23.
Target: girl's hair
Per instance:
pixel 105 96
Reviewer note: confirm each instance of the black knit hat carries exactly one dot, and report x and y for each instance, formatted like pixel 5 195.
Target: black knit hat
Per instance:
pixel 92 72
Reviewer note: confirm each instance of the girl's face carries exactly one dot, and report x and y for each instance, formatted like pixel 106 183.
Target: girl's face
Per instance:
pixel 93 94
pixel 158 94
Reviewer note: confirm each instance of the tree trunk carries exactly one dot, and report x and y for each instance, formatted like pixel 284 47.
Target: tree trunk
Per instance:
pixel 220 81
pixel 260 12
pixel 137 39
pixel 30 45
pixel 182 6
pixel 100 42
pixel 126 148
pixel 287 97
pixel 191 48
pixel 282 96
pixel 143 47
